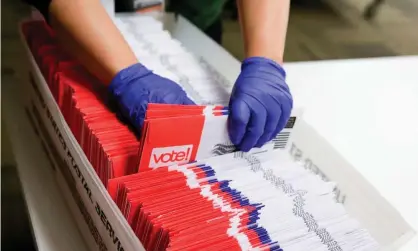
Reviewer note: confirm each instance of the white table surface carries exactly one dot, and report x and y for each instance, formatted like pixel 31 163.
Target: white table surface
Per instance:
pixel 367 109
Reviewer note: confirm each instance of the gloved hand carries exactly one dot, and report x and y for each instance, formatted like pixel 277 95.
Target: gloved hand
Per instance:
pixel 260 103
pixel 134 87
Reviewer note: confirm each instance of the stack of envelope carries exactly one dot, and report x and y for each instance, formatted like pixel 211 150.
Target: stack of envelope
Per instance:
pixel 237 201
pixel 182 185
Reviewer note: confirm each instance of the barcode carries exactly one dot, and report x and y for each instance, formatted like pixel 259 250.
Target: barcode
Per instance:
pixel 281 140
pixel 290 123
pixel 223 148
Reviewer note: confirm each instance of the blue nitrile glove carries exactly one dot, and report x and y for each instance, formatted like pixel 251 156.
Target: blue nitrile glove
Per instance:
pixel 260 103
pixel 134 87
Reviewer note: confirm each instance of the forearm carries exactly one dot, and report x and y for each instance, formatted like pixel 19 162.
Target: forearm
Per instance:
pixel 264 27
pixel 87 32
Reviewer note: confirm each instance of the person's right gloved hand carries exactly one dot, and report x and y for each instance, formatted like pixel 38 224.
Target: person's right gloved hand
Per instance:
pixel 134 87
pixel 260 103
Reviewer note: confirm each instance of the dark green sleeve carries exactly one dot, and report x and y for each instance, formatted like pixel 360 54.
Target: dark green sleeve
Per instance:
pixel 201 13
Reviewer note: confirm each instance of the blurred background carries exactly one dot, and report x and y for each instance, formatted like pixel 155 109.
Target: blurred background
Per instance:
pixel 318 30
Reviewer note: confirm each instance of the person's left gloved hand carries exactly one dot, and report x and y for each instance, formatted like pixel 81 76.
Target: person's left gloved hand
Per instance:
pixel 134 87
pixel 260 103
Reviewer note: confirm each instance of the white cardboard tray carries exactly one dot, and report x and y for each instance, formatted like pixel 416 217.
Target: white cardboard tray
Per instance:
pixel 104 227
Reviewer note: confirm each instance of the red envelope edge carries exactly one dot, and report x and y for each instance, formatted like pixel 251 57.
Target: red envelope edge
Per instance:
pixel 173 140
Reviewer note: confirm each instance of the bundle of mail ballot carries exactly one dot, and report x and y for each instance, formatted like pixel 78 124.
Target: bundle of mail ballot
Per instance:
pixel 237 201
pixel 182 185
